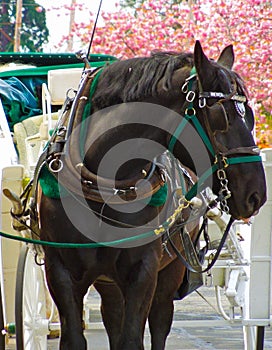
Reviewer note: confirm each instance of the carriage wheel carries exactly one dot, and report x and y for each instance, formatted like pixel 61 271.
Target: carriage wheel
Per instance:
pixel 30 304
pixel 2 326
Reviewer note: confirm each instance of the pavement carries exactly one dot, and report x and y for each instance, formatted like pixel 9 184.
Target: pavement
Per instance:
pixel 187 331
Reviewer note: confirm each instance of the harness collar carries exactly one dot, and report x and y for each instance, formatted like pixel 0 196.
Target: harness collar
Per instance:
pixel 63 157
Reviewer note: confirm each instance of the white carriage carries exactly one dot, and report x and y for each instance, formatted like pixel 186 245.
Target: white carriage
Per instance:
pixel 242 272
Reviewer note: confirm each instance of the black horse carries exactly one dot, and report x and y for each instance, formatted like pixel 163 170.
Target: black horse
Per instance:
pixel 138 108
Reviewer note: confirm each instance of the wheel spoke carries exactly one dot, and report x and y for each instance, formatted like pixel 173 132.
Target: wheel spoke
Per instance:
pixel 33 308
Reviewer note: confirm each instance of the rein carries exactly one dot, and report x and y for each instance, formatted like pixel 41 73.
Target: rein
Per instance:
pixel 21 216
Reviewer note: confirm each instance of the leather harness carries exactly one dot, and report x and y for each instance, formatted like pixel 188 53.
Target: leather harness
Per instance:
pixel 63 155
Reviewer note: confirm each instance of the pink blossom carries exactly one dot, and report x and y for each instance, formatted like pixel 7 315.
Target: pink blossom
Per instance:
pixel 246 25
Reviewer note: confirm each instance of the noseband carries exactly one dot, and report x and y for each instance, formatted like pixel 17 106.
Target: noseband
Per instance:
pixel 222 158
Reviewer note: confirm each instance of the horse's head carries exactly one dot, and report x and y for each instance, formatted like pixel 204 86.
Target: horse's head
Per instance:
pixel 214 101
pixel 220 103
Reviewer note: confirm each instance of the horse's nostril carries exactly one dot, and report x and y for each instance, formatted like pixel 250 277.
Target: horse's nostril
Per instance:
pixel 255 200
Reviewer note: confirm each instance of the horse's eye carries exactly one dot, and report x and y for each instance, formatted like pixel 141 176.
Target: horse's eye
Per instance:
pixel 218 119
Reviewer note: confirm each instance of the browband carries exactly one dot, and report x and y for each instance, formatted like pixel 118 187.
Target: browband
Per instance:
pixel 235 97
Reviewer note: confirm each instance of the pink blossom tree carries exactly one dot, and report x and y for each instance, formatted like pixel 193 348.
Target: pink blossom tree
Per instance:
pixel 164 25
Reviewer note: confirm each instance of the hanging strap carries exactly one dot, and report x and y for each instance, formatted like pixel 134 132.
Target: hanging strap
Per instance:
pixel 195 262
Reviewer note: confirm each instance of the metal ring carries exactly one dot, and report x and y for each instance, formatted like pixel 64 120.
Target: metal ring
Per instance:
pixel 202 102
pixel 192 113
pixel 221 175
pixel 61 131
pixel 55 165
pixel 184 88
pixel 190 96
pixel 69 93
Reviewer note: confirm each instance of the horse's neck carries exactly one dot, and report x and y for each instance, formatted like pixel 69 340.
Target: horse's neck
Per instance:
pixel 134 133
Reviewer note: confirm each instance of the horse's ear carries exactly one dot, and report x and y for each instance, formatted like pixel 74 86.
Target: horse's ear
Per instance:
pixel 226 58
pixel 201 60
pixel 203 65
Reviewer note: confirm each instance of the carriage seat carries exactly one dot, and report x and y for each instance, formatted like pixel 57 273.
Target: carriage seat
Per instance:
pixel 60 81
pixel 30 137
pixel 32 134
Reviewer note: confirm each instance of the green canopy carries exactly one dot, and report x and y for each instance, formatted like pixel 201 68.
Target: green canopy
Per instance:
pixel 48 59
pixel 19 88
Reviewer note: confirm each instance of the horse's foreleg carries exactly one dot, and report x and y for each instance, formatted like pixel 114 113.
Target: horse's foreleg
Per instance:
pixel 69 301
pixel 138 293
pixel 161 312
pixel 112 310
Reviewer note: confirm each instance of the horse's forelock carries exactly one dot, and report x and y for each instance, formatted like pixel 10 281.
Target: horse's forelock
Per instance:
pixel 241 87
pixel 230 77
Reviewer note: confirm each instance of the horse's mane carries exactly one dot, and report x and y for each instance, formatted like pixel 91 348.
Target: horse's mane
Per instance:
pixel 137 78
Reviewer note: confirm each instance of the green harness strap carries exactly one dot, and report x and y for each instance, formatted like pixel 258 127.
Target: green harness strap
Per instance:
pixel 190 115
pixel 199 184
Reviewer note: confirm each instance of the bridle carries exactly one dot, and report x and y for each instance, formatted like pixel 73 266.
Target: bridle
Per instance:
pixel 222 157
